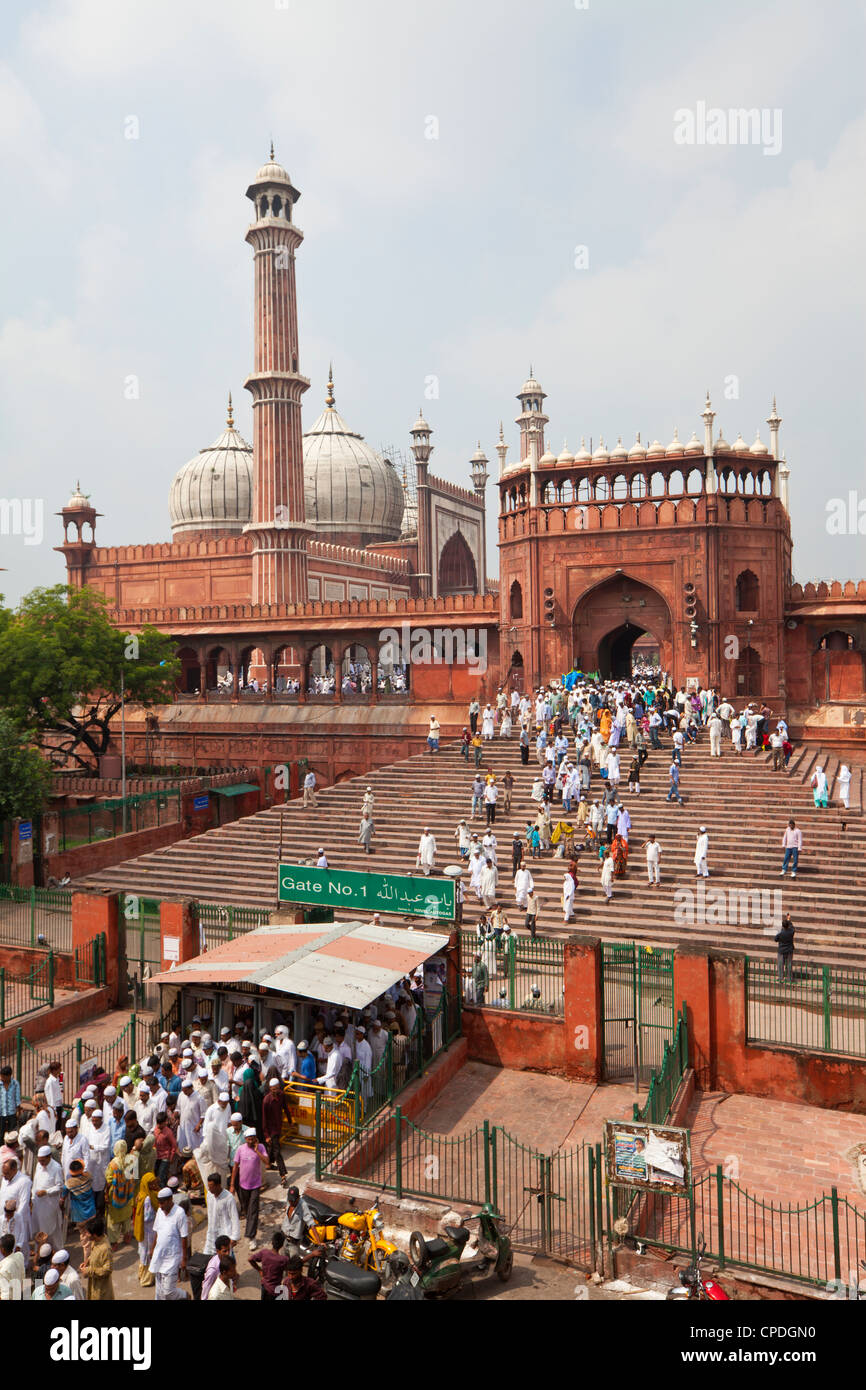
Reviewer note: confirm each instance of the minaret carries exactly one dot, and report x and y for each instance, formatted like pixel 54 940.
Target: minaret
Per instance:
pixel 501 449
pixel 478 466
pixel 78 512
pixel 422 449
pixel 774 420
pixel 531 418
pixel 278 524
pixel 709 416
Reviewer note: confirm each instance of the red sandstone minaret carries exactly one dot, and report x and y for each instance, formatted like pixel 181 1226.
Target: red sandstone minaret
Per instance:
pixel 278 524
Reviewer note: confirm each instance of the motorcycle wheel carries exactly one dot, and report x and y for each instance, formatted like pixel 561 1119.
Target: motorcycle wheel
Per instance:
pixel 504 1270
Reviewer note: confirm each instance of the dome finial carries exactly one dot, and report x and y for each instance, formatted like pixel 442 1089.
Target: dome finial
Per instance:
pixel 329 399
pixel 272 151
pixel 230 421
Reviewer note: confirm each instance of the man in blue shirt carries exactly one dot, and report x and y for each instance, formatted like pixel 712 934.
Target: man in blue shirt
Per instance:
pixel 306 1063
pixel 10 1102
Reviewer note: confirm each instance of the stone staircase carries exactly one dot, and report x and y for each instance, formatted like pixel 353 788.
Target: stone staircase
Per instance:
pixel 743 803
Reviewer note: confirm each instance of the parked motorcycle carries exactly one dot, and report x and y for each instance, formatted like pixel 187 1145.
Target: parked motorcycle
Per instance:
pixel 439 1266
pixel 343 1281
pixel 355 1236
pixel 695 1285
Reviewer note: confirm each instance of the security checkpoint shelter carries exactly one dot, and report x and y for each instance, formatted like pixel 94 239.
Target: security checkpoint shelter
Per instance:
pixel 281 973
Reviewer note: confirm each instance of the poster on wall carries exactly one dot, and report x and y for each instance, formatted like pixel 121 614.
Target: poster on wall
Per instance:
pixel 656 1158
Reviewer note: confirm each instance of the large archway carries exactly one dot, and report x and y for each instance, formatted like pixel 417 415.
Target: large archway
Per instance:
pixel 457 567
pixel 609 618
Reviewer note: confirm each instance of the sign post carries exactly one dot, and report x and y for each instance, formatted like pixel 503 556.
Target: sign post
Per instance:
pixel 404 895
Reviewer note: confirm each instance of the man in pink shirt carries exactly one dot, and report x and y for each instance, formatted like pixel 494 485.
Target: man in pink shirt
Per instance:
pixel 792 843
pixel 251 1160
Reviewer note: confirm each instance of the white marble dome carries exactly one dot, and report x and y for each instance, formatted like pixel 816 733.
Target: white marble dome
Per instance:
pixel 348 487
pixel 214 491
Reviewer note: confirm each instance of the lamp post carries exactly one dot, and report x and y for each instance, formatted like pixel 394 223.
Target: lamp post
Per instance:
pixel 123 751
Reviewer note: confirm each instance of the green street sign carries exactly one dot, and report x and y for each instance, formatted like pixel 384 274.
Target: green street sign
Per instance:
pixel 409 897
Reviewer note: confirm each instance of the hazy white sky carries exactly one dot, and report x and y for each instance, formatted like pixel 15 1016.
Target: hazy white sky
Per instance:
pixel 451 257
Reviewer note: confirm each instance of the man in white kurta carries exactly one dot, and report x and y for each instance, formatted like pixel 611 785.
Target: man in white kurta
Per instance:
pixel 213 1155
pixel 223 1218
pixel 523 886
pixel 16 1187
pixel 74 1146
pixel 476 866
pixel 287 1053
pixel 53 1093
pixel 99 1152
pixel 189 1117
pixel 702 849
pixel 426 851
pixel 567 897
pixel 169 1247
pixel 364 1058
pixel 47 1192
pixel 489 879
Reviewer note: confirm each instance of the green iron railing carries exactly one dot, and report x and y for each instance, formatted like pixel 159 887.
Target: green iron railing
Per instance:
pixel 665 1082
pixel 220 922
pixel 814 1243
pixel 23 992
pixel 524 975
pixel 36 917
pixel 103 820
pixel 816 1008
pixel 90 961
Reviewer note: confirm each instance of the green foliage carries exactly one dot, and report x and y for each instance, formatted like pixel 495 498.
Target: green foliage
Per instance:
pixel 25 776
pixel 61 665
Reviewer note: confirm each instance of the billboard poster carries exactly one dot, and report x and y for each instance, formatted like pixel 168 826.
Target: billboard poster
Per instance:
pixel 656 1158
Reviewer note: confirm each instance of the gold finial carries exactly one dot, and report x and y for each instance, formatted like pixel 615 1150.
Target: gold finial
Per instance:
pixel 329 399
pixel 230 423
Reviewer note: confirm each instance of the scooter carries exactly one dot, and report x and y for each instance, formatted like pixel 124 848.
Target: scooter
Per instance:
pixel 439 1266
pixel 693 1284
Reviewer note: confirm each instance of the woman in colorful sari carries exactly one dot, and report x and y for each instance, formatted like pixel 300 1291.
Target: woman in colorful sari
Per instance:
pixel 619 854
pixel 119 1194
pixel 146 1207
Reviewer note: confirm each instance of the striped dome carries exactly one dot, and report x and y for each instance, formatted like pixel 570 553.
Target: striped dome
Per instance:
pixel 214 491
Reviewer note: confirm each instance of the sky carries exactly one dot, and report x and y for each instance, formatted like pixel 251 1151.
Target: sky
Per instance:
pixel 453 160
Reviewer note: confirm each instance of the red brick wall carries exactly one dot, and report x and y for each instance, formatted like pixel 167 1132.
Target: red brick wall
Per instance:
pixel 19 960
pixel 93 913
pixel 89 1004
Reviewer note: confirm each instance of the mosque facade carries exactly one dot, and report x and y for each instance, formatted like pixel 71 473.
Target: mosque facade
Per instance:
pixel 290 554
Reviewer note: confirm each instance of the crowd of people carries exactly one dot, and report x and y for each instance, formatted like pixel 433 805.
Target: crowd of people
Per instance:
pixel 590 740
pixel 196 1124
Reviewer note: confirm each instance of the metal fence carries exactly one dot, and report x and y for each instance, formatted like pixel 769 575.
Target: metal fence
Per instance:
pixel 812 1243
pixel 820 1008
pixel 90 962
pixel 23 992
pixel 638 1004
pixel 664 1083
pixel 218 922
pixel 36 917
pixel 135 1040
pixel 525 975
pixel 404 1059
pixel 102 820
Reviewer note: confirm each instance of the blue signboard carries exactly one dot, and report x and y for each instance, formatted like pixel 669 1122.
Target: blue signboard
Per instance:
pixel 25 830
pixel 200 803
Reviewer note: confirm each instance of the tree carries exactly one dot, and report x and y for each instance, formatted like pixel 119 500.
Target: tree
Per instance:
pixel 62 662
pixel 25 776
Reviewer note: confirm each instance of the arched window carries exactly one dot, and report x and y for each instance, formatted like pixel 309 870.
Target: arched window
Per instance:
pixel 638 485
pixel 457 567
pixel 747 592
pixel 837 642
pixel 515 606
pixel 584 490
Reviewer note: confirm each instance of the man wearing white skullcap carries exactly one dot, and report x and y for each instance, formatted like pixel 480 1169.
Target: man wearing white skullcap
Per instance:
pixel 47 1192
pixel 189 1116
pixel 145 1108
pixel 52 1290
pixel 235 1135
pixel 108 1098
pixel 169 1247
pixel 74 1146
pixel 68 1275
pixel 212 1156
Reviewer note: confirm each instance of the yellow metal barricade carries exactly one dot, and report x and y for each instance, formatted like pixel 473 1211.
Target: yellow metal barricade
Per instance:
pixel 338 1114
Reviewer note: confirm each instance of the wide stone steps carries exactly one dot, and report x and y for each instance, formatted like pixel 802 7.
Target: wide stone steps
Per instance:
pixel 743 803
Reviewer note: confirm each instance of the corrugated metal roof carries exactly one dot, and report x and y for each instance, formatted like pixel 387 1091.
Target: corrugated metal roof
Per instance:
pixel 349 963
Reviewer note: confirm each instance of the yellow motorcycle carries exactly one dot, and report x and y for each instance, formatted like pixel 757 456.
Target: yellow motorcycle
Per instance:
pixel 364 1243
